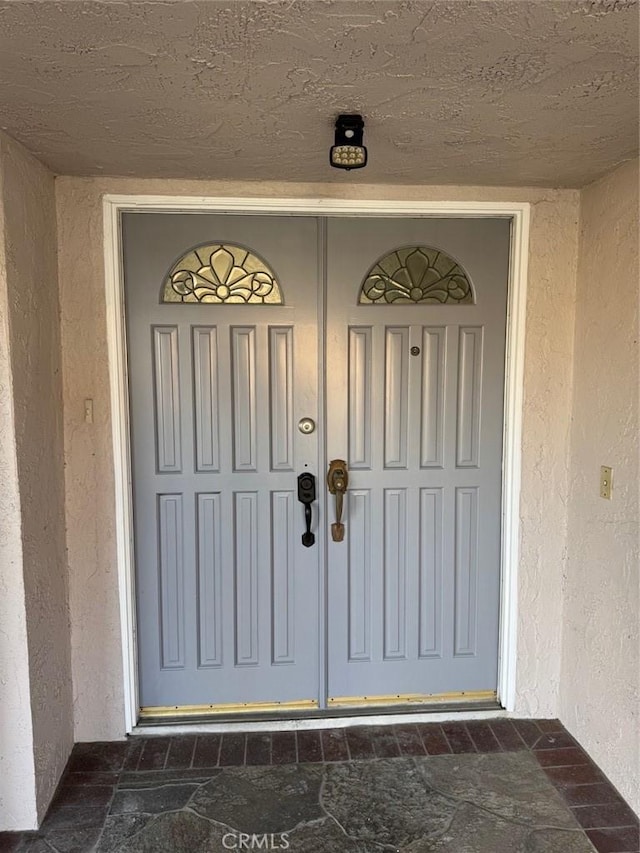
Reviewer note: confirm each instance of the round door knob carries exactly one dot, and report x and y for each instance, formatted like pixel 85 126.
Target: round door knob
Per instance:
pixel 306 425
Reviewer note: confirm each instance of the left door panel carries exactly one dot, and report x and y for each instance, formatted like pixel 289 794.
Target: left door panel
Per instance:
pixel 227 595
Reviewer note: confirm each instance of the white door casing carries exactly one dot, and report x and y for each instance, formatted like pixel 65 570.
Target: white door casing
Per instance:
pixel 519 216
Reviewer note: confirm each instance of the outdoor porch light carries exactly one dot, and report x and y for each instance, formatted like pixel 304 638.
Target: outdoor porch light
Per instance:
pixel 348 152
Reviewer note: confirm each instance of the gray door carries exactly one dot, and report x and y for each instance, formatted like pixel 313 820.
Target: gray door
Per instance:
pixel 225 326
pixel 219 374
pixel 415 361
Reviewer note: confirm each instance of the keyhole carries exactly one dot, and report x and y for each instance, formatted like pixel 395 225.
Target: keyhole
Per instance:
pixel 415 350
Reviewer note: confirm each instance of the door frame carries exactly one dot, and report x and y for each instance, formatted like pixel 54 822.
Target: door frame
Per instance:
pixel 517 212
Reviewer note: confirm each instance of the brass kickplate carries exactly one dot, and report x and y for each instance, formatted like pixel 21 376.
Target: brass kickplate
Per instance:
pixel 226 708
pixel 414 698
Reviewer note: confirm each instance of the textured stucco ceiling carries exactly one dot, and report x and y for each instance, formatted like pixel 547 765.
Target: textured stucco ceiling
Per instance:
pixel 511 92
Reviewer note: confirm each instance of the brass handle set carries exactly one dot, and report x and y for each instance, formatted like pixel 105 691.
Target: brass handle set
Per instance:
pixel 337 482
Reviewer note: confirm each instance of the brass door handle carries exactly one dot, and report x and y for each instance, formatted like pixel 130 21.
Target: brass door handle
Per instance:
pixel 337 482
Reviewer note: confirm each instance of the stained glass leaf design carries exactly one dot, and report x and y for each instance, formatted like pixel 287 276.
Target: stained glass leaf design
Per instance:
pixel 221 274
pixel 416 274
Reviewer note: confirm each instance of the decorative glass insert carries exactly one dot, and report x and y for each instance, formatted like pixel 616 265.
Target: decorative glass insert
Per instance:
pixel 416 274
pixel 221 274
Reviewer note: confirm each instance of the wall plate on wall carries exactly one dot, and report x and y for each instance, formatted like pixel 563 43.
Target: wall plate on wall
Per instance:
pixel 606 482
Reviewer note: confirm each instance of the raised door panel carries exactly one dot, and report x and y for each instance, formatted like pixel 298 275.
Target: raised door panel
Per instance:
pixel 206 398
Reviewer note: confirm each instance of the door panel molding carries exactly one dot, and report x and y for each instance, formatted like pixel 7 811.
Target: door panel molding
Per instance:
pixel 360 396
pixel 243 369
pixel 517 212
pixel 207 402
pixel 167 399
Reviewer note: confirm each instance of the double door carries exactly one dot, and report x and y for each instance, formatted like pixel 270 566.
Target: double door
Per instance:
pixel 263 348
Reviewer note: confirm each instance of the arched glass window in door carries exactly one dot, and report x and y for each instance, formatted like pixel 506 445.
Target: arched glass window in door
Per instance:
pixel 221 274
pixel 416 274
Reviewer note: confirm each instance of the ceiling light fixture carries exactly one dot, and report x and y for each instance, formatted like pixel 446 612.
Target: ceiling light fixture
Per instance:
pixel 348 152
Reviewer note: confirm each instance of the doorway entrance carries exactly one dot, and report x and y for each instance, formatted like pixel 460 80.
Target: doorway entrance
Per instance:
pixel 262 348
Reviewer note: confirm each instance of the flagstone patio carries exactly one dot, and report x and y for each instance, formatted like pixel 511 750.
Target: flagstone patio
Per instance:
pixel 480 787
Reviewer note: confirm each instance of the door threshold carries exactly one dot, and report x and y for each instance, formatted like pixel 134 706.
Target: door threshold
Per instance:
pixel 317 718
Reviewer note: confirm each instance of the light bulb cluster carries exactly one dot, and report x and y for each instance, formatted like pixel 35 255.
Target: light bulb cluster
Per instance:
pixel 348 156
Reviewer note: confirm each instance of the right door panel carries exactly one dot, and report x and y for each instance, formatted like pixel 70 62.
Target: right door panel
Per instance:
pixel 415 367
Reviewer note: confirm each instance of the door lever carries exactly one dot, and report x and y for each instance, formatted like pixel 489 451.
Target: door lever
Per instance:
pixel 337 482
pixel 306 496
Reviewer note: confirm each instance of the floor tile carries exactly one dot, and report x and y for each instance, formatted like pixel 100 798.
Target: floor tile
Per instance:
pixel 360 745
pixel 154 778
pixel 568 755
pixel 458 737
pixel 620 840
pixel 207 751
pixel 83 795
pixel 507 735
pixel 74 840
pixel 483 737
pixel 555 841
pixel 555 740
pixel 232 750
pixel 89 757
pixel 283 748
pixel 433 739
pixel 152 800
pixel 180 753
pixel 579 774
pixel 133 754
pixel 606 815
pixel 409 740
pixel 99 778
pixel 262 799
pixel 384 741
pixel 10 842
pixel 309 746
pixel 37 845
pixel 175 832
pixel 590 795
pixel 385 802
pixel 334 745
pixel 499 786
pixel 73 817
pixel 508 784
pixel 118 829
pixel 154 754
pixel 528 731
pixel 324 836
pixel 550 725
pixel 258 748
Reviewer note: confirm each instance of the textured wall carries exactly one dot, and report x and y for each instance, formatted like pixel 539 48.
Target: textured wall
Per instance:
pixel 600 663
pixel 17 788
pixel 28 201
pixel 452 92
pixel 97 665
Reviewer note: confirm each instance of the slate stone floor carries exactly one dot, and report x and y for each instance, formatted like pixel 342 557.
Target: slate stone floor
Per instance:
pixel 501 786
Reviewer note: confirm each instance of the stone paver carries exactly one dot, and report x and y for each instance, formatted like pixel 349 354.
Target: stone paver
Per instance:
pixel 502 786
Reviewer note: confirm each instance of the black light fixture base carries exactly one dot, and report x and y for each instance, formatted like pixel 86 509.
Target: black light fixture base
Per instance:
pixel 348 152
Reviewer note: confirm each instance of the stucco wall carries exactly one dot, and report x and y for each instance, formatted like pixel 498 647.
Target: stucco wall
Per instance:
pixel 96 651
pixel 29 233
pixel 17 787
pixel 600 664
